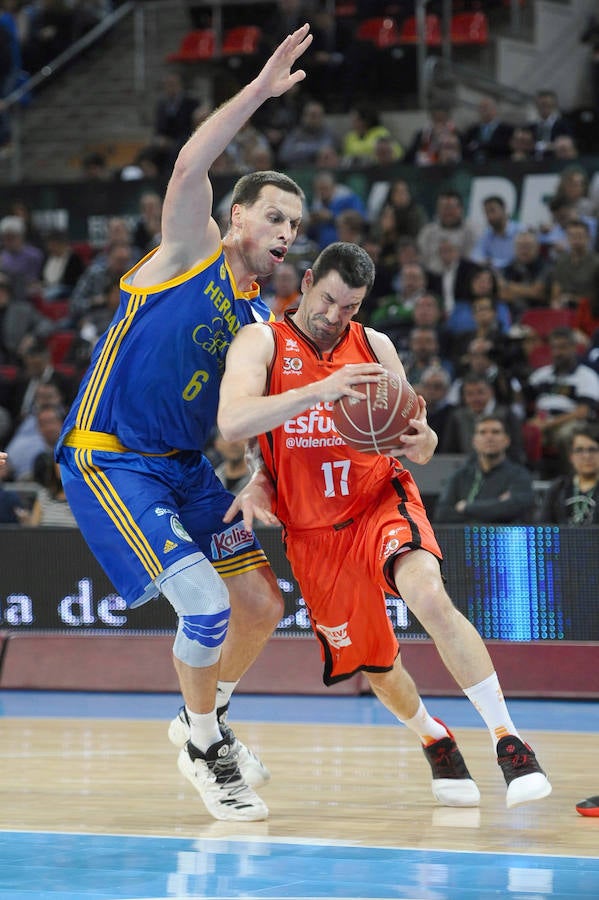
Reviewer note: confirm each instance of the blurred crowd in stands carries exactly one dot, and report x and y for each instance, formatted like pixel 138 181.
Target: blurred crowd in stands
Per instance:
pixel 497 327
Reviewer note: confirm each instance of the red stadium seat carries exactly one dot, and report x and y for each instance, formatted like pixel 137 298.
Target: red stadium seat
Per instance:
pixel 59 345
pixel 469 28
pixel 244 40
pixel 409 31
pixel 196 46
pixel 381 31
pixel 55 311
pixel 544 320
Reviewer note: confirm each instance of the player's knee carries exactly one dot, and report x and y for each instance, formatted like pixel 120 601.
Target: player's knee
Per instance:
pixel 199 638
pixel 200 598
pixel 256 598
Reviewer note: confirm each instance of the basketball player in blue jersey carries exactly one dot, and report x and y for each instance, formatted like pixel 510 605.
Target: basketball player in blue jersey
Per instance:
pixel 147 501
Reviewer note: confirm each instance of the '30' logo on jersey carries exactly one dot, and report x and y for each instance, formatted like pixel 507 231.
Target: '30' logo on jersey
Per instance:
pixel 292 365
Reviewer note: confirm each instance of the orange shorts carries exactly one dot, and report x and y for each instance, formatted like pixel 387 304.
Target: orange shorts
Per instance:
pixel 344 576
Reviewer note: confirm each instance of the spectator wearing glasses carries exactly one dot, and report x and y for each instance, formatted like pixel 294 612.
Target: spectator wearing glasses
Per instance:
pixel 573 499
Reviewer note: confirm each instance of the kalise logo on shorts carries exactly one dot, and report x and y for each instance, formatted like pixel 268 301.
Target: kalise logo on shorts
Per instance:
pixel 230 541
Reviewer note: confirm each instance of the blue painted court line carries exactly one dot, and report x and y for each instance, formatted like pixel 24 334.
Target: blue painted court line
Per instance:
pixel 554 715
pixel 102 867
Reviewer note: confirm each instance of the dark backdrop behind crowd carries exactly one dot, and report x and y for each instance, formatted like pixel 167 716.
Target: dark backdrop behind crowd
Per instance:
pixel 85 207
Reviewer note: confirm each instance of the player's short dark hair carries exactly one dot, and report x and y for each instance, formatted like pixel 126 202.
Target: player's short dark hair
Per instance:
pixel 248 187
pixel 351 261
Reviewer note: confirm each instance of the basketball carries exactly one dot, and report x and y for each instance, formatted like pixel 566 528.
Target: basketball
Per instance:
pixel 373 425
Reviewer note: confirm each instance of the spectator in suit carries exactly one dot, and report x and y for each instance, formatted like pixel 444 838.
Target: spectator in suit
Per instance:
pixel 477 397
pixel 489 487
pixel 489 138
pixel 39 382
pixel 62 267
pixel 573 498
pixel 454 282
pixel 549 124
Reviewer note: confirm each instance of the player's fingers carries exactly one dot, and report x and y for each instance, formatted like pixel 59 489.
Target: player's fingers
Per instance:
pixel 232 510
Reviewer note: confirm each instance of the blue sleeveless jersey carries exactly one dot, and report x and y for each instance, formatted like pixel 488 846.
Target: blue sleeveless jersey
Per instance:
pixel 154 377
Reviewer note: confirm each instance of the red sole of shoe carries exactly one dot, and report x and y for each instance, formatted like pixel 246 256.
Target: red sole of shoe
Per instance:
pixel 588 807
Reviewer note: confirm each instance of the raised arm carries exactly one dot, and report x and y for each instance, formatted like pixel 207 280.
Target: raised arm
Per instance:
pixel 189 233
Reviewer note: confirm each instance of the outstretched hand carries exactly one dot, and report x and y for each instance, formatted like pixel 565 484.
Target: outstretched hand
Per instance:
pixel 276 76
pixel 254 502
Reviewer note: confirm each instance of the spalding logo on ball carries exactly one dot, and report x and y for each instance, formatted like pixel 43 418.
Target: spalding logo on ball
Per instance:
pixel 374 425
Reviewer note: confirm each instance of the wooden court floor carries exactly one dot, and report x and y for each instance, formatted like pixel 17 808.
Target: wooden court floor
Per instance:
pixel 332 784
pixel 369 784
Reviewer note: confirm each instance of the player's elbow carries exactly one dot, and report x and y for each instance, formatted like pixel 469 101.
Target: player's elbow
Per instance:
pixel 230 425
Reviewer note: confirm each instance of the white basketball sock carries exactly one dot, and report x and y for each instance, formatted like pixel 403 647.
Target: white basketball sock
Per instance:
pixel 423 724
pixel 223 692
pixel 204 729
pixel 487 698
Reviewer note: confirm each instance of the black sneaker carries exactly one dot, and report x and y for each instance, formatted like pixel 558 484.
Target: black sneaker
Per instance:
pixel 216 776
pixel 452 783
pixel 252 768
pixel 523 775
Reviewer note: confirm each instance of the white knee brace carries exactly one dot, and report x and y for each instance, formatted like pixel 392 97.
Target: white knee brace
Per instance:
pixel 201 600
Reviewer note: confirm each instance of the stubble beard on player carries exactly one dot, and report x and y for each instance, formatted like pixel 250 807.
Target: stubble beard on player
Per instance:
pixel 325 337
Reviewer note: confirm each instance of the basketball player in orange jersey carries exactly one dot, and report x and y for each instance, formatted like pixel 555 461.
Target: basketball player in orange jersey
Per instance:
pixel 355 526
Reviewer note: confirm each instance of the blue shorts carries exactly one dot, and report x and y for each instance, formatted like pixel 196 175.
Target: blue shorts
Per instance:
pixel 140 514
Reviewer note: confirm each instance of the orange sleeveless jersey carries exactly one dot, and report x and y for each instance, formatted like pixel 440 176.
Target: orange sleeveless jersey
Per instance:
pixel 347 514
pixel 321 481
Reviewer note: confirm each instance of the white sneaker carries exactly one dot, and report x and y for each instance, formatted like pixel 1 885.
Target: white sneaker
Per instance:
pixel 216 776
pixel 523 775
pixel 452 783
pixel 252 768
